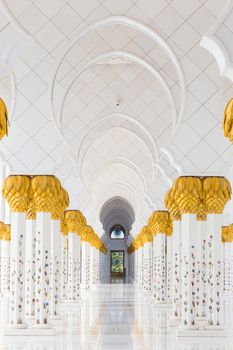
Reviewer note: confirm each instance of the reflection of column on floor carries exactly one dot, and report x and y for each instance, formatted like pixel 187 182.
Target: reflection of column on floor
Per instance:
pixel 161 226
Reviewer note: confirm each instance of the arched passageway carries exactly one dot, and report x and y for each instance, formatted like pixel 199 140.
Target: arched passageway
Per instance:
pixel 117 217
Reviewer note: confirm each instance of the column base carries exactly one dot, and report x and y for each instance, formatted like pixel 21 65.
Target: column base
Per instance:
pixel 56 321
pixel 71 304
pixel 31 331
pixel 161 304
pixel 174 321
pixel 206 331
pixel 201 321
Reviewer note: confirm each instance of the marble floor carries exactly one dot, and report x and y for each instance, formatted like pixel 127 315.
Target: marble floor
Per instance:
pixel 118 316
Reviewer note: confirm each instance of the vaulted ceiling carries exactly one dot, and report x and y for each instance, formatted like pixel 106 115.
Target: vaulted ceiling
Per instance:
pixel 117 98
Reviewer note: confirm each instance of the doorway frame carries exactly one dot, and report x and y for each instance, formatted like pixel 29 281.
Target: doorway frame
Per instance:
pixel 117 274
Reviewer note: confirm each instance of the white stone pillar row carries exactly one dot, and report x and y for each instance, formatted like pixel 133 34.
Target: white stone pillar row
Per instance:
pixel 160 225
pixel 92 266
pixel 30 259
pixel 176 273
pixel 5 276
pixel 188 237
pixel 55 250
pixel 2 232
pixel 140 263
pixel 217 191
pixel 55 267
pixel 86 247
pixel 17 191
pixel 96 242
pixel 46 193
pixel 176 292
pixel 75 222
pixel 227 239
pixel 200 266
pixel 187 194
pixel 147 258
pixel 64 263
pixel 169 269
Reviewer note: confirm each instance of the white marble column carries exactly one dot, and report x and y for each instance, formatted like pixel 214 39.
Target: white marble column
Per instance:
pixel 228 268
pixel 140 265
pixel 97 257
pixel 215 272
pixel 64 267
pixel 74 267
pixel 188 237
pixel 200 269
pixel 159 273
pixel 17 286
pixel 55 268
pixel 92 266
pixel 30 259
pixel 176 274
pixel 5 276
pixel 169 269
pixel 147 266
pixel 43 231
pixel 85 266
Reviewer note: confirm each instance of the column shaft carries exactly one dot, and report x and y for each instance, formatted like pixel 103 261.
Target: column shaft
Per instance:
pixel 30 267
pixel 17 295
pixel 43 229
pixel 74 267
pixel 55 268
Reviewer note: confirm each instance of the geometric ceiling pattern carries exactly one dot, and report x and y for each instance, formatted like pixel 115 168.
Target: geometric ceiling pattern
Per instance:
pixel 117 98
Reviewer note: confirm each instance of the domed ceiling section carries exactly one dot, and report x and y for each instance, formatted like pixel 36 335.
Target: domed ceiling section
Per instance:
pixel 117 211
pixel 110 89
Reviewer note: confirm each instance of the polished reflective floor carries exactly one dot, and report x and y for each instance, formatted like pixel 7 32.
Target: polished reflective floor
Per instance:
pixel 119 316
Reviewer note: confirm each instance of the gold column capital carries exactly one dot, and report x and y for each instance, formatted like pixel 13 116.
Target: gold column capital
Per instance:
pixel 227 234
pixel 228 120
pixel 2 230
pixel 75 221
pixel 17 191
pixel 146 235
pixel 216 193
pixel 172 206
pixel 87 234
pixel 7 235
pixel 187 191
pixel 31 213
pixel 4 122
pixel 160 222
pixel 62 202
pixel 46 190
pixel 64 228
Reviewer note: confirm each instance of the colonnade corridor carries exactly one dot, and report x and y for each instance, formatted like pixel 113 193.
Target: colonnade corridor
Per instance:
pixel 119 316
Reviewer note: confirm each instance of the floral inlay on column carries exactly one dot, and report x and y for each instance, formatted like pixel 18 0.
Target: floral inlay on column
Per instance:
pixel 17 190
